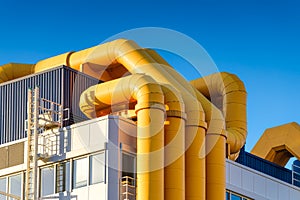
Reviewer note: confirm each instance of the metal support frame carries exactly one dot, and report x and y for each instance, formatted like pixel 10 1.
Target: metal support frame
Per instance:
pixel 42 114
pixel 32 145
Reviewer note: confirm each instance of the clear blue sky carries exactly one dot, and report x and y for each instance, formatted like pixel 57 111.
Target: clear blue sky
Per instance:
pixel 258 40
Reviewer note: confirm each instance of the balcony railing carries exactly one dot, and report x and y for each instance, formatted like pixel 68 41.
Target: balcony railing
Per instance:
pixel 127 188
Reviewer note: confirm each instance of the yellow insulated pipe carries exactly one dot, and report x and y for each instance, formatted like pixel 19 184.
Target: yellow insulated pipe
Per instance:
pixel 228 93
pixel 174 144
pixel 12 71
pixel 150 111
pixel 214 150
pixel 195 183
pixel 278 144
pixel 195 155
pixel 137 60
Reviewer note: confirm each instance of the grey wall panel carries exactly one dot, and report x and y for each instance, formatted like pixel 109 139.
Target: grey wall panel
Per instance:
pixel 62 85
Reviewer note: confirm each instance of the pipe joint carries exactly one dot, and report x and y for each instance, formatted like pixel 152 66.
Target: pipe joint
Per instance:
pixel 177 114
pixel 148 105
pixel 222 133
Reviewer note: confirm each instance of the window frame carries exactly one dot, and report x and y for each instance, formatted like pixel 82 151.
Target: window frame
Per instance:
pixel 73 171
pixel 90 167
pixel 134 165
pixel 67 187
pixel 40 179
pixel 8 187
pixel 243 197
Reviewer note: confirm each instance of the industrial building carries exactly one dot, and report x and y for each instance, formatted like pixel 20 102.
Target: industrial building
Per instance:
pixel 117 122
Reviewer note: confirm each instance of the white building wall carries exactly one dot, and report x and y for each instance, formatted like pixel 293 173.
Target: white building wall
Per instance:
pixel 105 134
pixel 256 185
pixel 112 135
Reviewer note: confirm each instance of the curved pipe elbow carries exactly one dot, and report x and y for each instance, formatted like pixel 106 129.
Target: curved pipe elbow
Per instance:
pixel 228 93
pixel 175 106
pixel 12 71
pixel 138 87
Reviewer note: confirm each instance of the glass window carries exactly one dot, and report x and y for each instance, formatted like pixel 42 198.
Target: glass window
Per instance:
pixel 47 181
pixel 128 165
pixel 128 168
pixel 80 172
pixel 2 187
pixel 227 196
pixel 15 185
pixel 63 177
pixel 97 163
pixel 235 197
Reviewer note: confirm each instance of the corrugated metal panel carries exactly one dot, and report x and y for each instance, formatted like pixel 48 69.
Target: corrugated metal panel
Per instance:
pixel 264 166
pixel 61 85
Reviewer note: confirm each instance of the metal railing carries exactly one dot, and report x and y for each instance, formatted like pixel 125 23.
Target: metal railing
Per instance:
pixel 127 188
pixel 14 197
pixel 52 114
pixel 296 173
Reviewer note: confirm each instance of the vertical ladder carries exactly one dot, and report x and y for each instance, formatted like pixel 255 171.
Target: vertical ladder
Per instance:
pixel 60 177
pixel 32 144
pixel 42 114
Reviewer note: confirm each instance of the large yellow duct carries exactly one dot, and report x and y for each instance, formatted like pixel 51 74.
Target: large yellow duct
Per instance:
pixel 214 150
pixel 150 111
pixel 212 171
pixel 195 178
pixel 228 93
pixel 137 60
pixel 174 144
pixel 279 144
pixel 14 70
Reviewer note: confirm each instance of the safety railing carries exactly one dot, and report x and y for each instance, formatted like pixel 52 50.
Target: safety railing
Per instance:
pixel 11 196
pixel 127 188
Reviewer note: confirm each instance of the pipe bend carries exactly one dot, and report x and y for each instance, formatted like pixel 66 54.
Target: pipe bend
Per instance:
pixel 228 93
pixel 174 102
pixel 139 87
pixel 52 62
pixel 12 71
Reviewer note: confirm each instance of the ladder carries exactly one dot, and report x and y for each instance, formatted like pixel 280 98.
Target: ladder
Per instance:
pixel 32 145
pixel 60 177
pixel 42 114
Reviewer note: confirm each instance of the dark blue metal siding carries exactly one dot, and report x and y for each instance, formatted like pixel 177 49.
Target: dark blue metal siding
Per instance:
pixel 264 166
pixel 62 85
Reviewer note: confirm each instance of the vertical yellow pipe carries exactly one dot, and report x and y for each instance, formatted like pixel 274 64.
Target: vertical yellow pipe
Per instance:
pixel 214 150
pixel 150 171
pixel 194 136
pixel 174 172
pixel 195 165
pixel 228 93
pixel 215 166
pixel 195 185
pixel 150 110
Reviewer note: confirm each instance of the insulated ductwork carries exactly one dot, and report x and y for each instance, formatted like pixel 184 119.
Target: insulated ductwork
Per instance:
pixel 279 144
pixel 137 60
pixel 183 167
pixel 150 111
pixel 174 171
pixel 228 93
pixel 15 70
pixel 211 156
